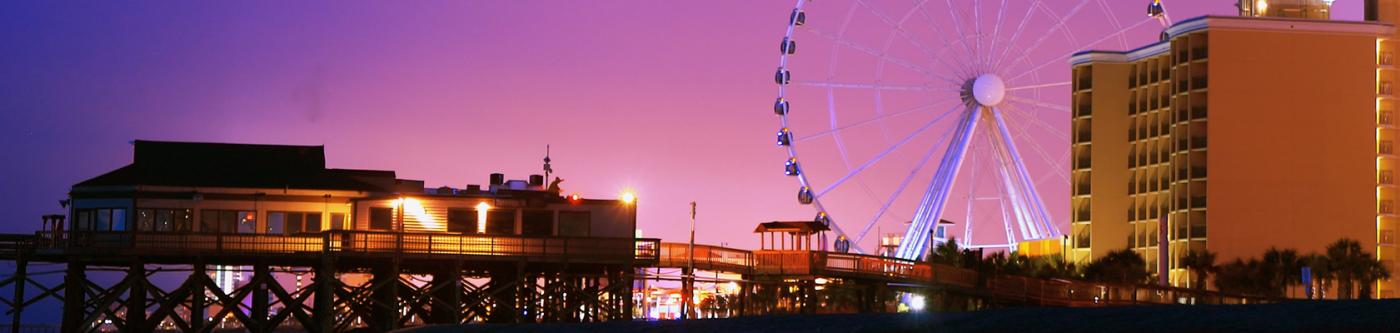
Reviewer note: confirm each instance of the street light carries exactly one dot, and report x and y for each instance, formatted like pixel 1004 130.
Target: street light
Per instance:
pixel 628 197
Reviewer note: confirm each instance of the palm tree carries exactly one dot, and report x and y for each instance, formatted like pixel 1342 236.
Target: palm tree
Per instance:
pixel 1348 262
pixel 1322 273
pixel 1281 269
pixel 1121 266
pixel 947 253
pixel 1373 272
pixel 1202 263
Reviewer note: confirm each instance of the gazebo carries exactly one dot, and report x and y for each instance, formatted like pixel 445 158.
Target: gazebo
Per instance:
pixel 791 235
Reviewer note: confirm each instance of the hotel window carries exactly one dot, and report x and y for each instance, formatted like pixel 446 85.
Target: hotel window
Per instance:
pixel 1386 147
pixel 227 221
pixel 1386 117
pixel 381 218
pixel 534 222
pixel 1387 58
pixel 1387 207
pixel 100 219
pixel 1386 177
pixel 461 220
pixel 1387 237
pixel 1386 89
pixel 293 222
pixel 164 220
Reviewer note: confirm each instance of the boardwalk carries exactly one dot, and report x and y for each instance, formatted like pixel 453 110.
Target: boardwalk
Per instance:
pixel 425 278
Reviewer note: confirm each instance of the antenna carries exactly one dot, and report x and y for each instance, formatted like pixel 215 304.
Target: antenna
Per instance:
pixel 547 168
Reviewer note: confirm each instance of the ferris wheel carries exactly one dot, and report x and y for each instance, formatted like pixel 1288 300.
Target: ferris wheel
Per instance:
pixel 896 115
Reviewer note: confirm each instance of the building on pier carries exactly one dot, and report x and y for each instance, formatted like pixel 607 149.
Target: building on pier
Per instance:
pixel 261 228
pixel 1298 110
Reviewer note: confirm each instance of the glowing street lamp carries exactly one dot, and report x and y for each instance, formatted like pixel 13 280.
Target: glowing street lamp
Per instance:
pixel 629 197
pixel 481 209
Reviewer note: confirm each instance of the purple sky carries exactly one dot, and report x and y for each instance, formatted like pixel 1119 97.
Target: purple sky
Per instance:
pixel 669 98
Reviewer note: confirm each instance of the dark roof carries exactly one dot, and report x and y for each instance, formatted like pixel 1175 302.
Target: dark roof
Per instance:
pixel 194 164
pixel 792 226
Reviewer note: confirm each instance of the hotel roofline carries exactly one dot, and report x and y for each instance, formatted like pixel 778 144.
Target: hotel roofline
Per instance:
pixel 1366 28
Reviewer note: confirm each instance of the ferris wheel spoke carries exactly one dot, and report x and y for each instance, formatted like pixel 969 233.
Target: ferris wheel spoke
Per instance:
pixel 903 185
pixel 870 86
pixel 872 120
pixel 882 154
pixel 966 69
pixel 883 56
pixel 996 32
pixel 1038 103
pixel 1059 24
pixel 898 27
pixel 1113 19
pixel 1057 60
pixel 1030 10
pixel 1038 86
pixel 957 24
pixel 1037 121
pixel 1035 144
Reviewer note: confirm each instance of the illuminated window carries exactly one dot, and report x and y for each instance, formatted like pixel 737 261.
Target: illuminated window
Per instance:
pixel 337 221
pixel 1387 237
pixel 164 220
pixel 100 219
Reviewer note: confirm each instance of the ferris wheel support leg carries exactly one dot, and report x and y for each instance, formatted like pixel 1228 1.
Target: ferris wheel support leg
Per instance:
pixel 916 239
pixel 1040 218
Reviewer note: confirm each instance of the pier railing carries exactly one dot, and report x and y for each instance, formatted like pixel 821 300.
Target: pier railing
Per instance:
pixel 350 242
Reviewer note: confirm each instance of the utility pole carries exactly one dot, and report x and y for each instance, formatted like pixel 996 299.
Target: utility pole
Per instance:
pixel 688 280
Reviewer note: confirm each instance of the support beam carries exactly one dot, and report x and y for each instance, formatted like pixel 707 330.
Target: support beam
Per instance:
pixel 136 298
pixel 323 306
pixel 197 301
pixel 447 295
pixel 386 297
pixel 74 297
pixel 258 311
pixel 19 278
pixel 915 240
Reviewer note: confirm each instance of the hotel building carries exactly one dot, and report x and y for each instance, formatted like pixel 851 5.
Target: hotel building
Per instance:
pixel 1236 134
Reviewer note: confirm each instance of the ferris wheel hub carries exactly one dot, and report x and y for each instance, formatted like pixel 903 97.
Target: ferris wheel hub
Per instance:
pixel 988 90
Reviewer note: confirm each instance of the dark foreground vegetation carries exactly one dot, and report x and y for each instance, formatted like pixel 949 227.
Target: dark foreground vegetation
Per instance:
pixel 1300 316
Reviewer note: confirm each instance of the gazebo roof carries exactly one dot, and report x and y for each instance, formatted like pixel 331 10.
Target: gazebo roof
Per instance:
pixel 801 227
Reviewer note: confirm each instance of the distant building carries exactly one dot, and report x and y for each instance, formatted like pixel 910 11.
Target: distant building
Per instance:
pixel 1275 128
